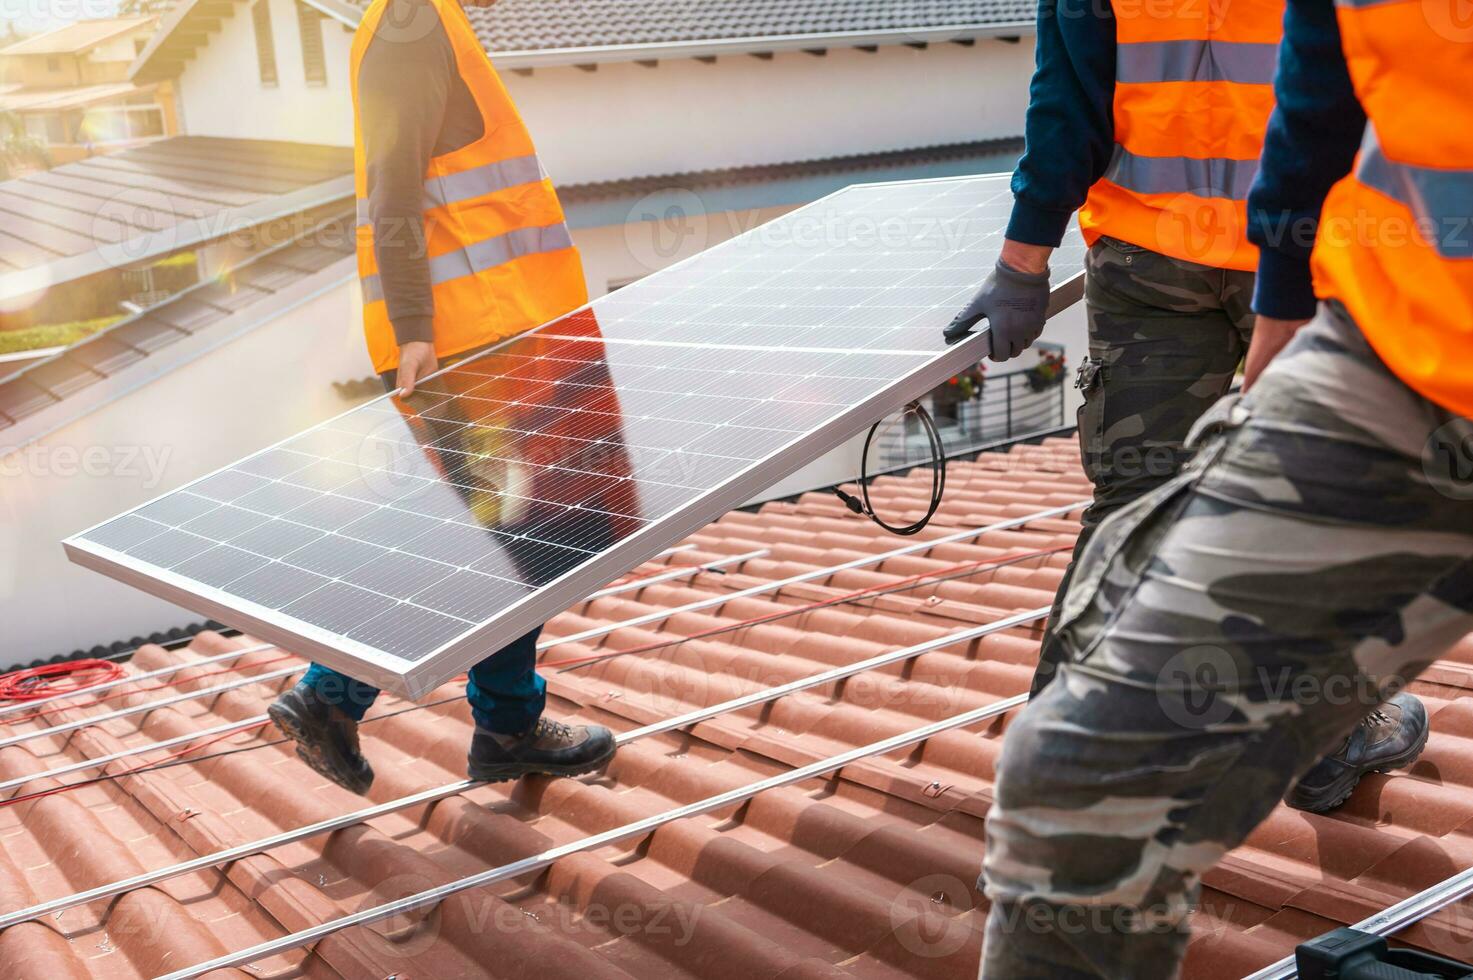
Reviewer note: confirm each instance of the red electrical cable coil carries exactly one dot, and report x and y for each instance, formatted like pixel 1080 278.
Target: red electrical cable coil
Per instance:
pixel 132 689
pixel 49 680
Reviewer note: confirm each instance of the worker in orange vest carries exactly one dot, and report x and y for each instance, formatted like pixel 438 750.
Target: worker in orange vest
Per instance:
pixel 461 243
pixel 1312 559
pixel 1149 119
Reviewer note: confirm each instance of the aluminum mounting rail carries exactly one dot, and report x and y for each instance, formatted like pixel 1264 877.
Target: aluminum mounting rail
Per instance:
pixel 809 576
pixel 606 628
pixel 133 679
pixel 586 634
pixel 236 654
pixel 1392 919
pixel 435 794
pixel 136 709
pixel 102 760
pixel 637 828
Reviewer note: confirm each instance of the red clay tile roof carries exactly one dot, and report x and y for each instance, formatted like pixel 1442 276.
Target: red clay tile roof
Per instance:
pixel 867 873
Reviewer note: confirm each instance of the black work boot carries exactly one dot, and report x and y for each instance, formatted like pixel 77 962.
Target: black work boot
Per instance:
pixel 551 748
pixel 327 739
pixel 1388 738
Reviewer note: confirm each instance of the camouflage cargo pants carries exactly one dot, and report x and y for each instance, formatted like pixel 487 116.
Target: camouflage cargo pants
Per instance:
pixel 1165 338
pixel 1222 633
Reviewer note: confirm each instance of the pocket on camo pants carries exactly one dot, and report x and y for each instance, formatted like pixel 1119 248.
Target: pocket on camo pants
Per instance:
pixel 1115 561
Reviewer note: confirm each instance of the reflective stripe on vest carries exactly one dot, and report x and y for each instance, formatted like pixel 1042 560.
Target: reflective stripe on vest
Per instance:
pixel 1394 239
pixel 484 255
pixel 1181 175
pixel 1196 61
pixel 467 185
pixel 501 260
pixel 1442 200
pixel 1193 94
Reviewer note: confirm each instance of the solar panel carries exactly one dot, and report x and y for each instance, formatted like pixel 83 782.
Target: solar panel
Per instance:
pixel 406 539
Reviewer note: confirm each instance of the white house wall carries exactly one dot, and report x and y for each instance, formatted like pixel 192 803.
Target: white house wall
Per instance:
pixel 261 388
pixel 626 120
pixel 221 94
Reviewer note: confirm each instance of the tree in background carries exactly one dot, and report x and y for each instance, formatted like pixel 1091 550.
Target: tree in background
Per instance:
pixel 19 150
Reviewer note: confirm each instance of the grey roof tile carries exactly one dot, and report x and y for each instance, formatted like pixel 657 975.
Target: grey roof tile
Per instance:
pixel 535 25
pixel 71 208
pixel 49 381
pixel 230 295
pixel 62 376
pixel 19 398
pixel 146 333
pixel 268 274
pixel 854 165
pixel 527 25
pixel 188 313
pixel 314 257
pixel 106 354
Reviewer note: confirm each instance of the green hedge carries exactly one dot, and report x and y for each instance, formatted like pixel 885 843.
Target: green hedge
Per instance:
pixel 52 335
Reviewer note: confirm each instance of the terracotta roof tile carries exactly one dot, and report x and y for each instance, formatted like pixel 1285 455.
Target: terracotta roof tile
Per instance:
pixel 868 873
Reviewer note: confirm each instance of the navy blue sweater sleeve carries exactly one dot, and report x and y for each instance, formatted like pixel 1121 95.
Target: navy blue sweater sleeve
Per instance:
pixel 400 123
pixel 1070 127
pixel 1312 137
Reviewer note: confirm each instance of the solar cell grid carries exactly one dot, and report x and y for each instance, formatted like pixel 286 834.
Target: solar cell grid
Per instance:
pixel 404 540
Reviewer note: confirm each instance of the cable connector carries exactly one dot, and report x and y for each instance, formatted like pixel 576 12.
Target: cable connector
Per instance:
pixel 861 504
pixel 852 502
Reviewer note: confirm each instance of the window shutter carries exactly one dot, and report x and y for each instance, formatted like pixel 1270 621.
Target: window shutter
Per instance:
pixel 265 43
pixel 314 62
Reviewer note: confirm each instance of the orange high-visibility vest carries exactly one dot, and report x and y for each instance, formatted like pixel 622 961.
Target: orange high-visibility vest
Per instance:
pixel 1193 93
pixel 501 259
pixel 1395 244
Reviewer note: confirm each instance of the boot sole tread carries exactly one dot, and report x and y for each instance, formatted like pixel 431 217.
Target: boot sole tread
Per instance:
pixel 289 723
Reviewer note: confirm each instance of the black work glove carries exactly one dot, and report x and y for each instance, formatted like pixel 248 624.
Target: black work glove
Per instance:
pixel 1015 305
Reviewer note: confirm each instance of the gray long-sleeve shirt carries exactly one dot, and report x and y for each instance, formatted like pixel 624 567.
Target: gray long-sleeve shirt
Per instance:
pixel 413 105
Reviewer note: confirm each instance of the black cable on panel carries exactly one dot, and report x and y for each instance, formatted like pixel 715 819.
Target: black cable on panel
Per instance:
pixel 861 504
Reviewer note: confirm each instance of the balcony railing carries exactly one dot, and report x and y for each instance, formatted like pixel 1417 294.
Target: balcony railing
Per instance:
pixel 1011 405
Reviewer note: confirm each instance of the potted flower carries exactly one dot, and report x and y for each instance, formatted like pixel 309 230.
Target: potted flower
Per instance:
pixel 1048 372
pixel 968 386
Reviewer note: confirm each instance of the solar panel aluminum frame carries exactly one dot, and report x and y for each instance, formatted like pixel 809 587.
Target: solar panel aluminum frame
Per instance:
pixel 414 679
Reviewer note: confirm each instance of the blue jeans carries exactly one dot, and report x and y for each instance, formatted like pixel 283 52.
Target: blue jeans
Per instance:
pixel 506 695
pixel 504 691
